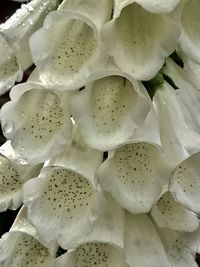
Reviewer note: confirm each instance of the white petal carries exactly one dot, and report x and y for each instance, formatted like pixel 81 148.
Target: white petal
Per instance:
pixel 37 122
pixel 185 183
pixel 63 203
pixel 192 70
pixel 134 175
pixel 20 26
pixel 110 109
pixel 143 246
pixel 10 70
pixel 190 25
pixel 12 177
pixel 154 6
pixel 139 41
pixel 168 213
pixel 67 49
pixel 78 157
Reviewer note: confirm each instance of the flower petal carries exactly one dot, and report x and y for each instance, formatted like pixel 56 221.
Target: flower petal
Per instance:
pixel 62 202
pixel 37 122
pixel 110 108
pixel 143 246
pixel 168 213
pixel 129 171
pixel 20 26
pixel 67 48
pixel 139 46
pixel 12 177
pixel 185 183
pixel 190 25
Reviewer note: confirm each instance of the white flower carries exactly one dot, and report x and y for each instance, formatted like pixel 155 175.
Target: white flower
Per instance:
pixel 134 174
pixel 111 108
pixel 168 213
pixel 139 40
pixel 22 247
pixel 67 48
pixel 14 40
pixel 64 200
pixel 37 121
pixel 12 178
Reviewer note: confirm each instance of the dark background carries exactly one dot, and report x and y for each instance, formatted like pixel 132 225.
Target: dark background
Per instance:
pixel 7 8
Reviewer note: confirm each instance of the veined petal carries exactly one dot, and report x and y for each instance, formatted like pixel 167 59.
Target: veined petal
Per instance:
pixel 64 203
pixel 179 247
pixel 139 46
pixel 154 6
pixel 10 70
pixel 134 174
pixel 20 26
pixel 77 155
pixel 185 183
pixel 67 48
pixel 104 246
pixel 37 121
pixel 12 177
pixel 110 109
pixel 168 213
pixel 190 26
pixel 192 70
pixel 143 246
pixel 20 247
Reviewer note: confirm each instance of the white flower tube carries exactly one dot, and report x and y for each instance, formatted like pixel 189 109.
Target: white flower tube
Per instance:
pixel 190 24
pixel 111 108
pixel 134 174
pixel 143 246
pixel 64 201
pixel 22 247
pixel 185 183
pixel 104 246
pixel 12 178
pixel 168 213
pixel 37 121
pixel 67 48
pixel 139 40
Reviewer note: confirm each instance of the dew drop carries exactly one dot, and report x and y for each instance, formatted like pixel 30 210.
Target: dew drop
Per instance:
pixel 8 127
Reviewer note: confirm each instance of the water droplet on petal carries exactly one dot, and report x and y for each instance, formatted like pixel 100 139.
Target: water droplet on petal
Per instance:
pixel 8 127
pixel 22 161
pixel 164 102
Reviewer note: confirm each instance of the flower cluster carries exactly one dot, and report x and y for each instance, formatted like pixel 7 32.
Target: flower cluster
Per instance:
pixel 103 140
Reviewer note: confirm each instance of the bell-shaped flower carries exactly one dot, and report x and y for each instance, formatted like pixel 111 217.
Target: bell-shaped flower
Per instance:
pixel 190 24
pixel 65 200
pixel 143 246
pixel 169 213
pixel 185 183
pixel 21 246
pixel 134 174
pixel 104 246
pixel 181 248
pixel 14 40
pixel 110 108
pixel 37 121
pixel 139 40
pixel 177 112
pixel 67 48
pixel 12 177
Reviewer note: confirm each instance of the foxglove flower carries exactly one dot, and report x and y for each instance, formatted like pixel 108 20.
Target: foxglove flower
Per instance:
pixel 143 246
pixel 190 24
pixel 177 112
pixel 37 121
pixel 67 48
pixel 132 169
pixel 63 201
pixel 168 213
pixel 139 40
pixel 14 40
pixel 111 108
pixel 22 247
pixel 12 177
pixel 104 246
